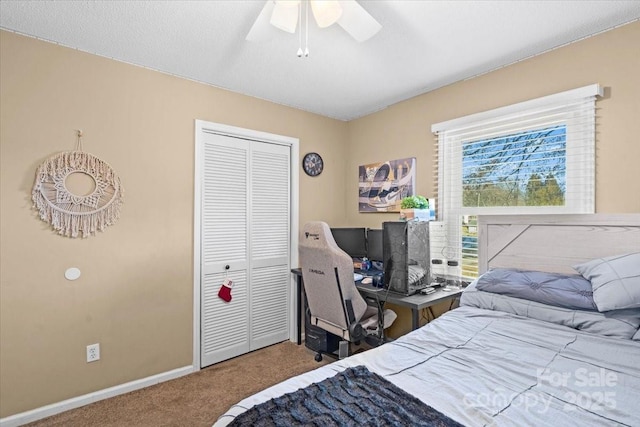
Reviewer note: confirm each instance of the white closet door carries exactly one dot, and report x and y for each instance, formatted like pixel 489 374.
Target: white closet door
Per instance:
pixel 245 237
pixel 224 326
pixel 270 219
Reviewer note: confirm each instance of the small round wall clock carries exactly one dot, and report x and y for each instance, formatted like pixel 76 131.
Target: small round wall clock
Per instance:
pixel 312 164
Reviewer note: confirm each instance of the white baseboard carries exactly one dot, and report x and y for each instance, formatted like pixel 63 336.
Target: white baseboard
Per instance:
pixel 76 402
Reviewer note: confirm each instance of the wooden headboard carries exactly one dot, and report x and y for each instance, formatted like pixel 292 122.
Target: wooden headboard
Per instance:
pixel 554 243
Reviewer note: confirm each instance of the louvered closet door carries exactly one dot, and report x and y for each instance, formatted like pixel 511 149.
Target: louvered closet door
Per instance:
pixel 270 218
pixel 245 227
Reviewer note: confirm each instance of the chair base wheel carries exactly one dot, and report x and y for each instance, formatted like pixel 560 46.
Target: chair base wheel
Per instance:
pixel 318 357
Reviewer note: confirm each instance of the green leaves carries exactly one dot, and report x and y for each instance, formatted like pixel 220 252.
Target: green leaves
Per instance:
pixel 414 202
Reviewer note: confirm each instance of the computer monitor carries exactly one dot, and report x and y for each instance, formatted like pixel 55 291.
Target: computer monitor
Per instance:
pixel 351 240
pixel 374 245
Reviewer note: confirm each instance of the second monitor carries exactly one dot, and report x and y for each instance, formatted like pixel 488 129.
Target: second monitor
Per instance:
pixel 375 250
pixel 360 242
pixel 351 240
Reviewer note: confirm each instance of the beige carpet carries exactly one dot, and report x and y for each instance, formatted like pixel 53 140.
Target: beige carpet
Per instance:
pixel 196 399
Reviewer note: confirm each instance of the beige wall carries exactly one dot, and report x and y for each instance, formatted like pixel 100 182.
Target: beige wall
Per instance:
pixel 135 294
pixel 611 59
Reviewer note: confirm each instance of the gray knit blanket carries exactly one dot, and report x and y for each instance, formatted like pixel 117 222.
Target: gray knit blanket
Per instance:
pixel 353 397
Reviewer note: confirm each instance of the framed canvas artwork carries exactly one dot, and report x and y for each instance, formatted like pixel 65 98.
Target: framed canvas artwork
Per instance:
pixel 383 185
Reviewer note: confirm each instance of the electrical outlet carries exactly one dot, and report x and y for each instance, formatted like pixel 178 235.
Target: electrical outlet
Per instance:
pixel 93 352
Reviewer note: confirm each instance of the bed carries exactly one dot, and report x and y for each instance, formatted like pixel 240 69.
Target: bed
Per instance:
pixel 543 337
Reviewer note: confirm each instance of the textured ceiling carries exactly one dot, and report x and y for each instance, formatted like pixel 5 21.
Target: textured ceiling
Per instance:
pixel 423 45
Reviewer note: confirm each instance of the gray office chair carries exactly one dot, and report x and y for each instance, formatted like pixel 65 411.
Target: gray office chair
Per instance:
pixel 334 302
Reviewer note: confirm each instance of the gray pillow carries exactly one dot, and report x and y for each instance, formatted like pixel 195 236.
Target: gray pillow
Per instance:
pixel 622 324
pixel 560 290
pixel 615 281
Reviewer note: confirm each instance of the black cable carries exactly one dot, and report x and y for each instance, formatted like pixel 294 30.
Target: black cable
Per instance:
pixel 344 308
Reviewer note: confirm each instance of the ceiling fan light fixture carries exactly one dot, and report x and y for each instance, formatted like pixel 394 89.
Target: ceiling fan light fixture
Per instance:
pixel 285 15
pixel 326 12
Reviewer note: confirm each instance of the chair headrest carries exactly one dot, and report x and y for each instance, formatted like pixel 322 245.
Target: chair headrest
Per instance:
pixel 318 234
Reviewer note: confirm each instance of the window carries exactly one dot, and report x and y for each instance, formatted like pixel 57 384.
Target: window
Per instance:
pixel 533 157
pixel 522 169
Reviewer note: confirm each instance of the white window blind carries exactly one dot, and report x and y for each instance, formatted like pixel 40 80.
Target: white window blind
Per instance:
pixel 533 157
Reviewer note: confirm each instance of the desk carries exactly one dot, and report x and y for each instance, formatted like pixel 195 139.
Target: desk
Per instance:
pixel 415 302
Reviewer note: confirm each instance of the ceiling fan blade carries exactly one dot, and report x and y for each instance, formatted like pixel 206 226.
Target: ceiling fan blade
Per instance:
pixel 357 21
pixel 285 16
pixel 260 29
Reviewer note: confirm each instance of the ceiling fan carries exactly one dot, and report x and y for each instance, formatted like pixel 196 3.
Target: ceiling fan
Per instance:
pixel 287 15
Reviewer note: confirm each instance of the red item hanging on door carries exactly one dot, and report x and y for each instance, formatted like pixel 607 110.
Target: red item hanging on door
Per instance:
pixel 225 290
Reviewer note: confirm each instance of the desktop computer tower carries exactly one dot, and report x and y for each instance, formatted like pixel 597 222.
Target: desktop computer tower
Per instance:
pixel 319 340
pixel 406 256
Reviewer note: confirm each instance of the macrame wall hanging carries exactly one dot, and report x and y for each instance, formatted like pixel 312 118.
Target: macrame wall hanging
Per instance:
pixel 75 215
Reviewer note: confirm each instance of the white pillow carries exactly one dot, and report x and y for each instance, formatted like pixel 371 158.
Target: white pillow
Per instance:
pixel 615 281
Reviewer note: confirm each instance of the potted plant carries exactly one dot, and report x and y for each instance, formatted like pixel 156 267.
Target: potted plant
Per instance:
pixel 414 207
